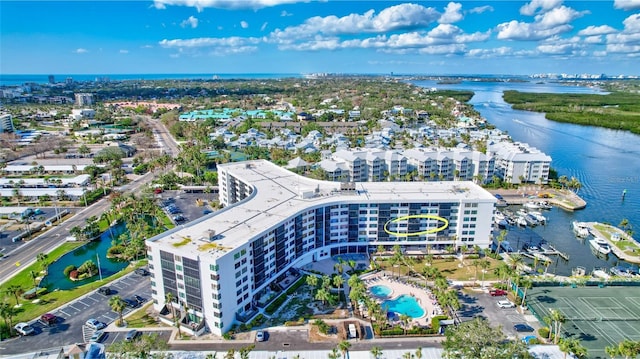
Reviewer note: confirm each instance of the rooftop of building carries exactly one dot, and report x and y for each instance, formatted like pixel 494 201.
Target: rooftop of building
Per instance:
pixel 278 194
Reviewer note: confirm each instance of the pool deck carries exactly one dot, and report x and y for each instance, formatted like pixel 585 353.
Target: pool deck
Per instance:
pixel 424 297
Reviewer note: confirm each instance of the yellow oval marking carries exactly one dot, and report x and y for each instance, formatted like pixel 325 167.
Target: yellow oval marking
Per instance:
pixel 428 231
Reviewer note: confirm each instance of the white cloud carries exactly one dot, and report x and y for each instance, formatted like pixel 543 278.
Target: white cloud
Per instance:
pixel 451 13
pixel 549 23
pixel 623 48
pixel 191 21
pixel 223 4
pixel 558 49
pixel 264 26
pixel 596 30
pixel 450 49
pixel 558 16
pixel 80 51
pixel 244 24
pixel 595 39
pixel 285 13
pixel 123 51
pixel 515 30
pixel 627 4
pixel 632 23
pixel 481 9
pixel 403 16
pixel 233 41
pixel 489 53
pixel 543 5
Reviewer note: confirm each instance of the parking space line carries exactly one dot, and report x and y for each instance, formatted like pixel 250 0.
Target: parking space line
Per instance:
pixel 83 303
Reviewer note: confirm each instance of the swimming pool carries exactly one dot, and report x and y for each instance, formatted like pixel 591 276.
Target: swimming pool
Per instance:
pixel 381 291
pixel 404 304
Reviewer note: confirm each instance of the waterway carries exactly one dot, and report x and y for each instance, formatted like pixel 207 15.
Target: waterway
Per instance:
pixel 93 250
pixel 605 162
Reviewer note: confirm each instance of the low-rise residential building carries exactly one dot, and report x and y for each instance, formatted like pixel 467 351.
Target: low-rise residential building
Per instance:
pixel 518 162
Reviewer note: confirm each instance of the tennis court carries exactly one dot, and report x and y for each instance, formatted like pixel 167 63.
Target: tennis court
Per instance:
pixel 598 317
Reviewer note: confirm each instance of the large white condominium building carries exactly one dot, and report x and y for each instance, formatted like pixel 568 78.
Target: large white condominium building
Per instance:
pixel 519 163
pixel 221 268
pixel 6 123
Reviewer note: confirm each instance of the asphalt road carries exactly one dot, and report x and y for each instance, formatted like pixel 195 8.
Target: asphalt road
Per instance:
pixel 14 261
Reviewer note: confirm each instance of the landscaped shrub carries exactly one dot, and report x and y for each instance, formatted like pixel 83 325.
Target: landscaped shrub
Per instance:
pixel 258 320
pixel 393 331
pixel 74 274
pixel 543 332
pixel 297 285
pixel 271 308
pixel 68 270
pixel 435 322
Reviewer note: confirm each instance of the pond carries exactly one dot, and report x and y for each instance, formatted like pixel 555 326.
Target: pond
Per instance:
pixel 93 250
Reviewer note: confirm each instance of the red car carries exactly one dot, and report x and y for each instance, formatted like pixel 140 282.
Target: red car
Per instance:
pixel 497 292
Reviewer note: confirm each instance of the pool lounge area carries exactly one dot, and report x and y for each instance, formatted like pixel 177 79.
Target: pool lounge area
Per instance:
pixel 403 298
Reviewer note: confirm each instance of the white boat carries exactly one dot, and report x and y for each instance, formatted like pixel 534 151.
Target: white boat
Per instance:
pixel 580 229
pixel 601 245
pixel 544 205
pixel 521 221
pixel 531 205
pixel 531 219
pixel 538 216
pixel 499 216
pixel 601 273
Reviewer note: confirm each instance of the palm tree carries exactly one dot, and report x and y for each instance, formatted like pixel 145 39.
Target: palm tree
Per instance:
pixel 230 354
pixel 7 311
pixel 501 238
pixel 629 349
pixel 168 299
pixel 42 259
pixel 15 290
pixel 376 351
pixel 516 261
pixel 572 345
pixel 405 320
pixel 525 283
pixel 484 264
pixel 118 305
pixel 611 350
pixel 557 318
pixel 34 277
pixel 334 354
pixel 338 282
pixel 323 295
pixel 344 348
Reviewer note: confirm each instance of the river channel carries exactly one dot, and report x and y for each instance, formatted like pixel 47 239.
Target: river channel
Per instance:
pixel 605 161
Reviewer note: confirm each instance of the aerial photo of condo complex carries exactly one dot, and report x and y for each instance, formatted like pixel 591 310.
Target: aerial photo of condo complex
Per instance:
pixel 292 179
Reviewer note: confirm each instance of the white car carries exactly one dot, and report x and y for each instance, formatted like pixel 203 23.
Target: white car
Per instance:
pixel 95 324
pixel 260 336
pixel 506 304
pixel 97 337
pixel 24 329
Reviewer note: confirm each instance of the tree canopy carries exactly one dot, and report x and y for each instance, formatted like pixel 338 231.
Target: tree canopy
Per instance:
pixel 477 339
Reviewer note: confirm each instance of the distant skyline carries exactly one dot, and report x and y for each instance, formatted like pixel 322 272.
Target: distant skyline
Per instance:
pixel 340 36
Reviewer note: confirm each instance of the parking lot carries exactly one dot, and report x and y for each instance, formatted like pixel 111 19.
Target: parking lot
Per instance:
pixel 69 327
pixel 184 207
pixel 478 304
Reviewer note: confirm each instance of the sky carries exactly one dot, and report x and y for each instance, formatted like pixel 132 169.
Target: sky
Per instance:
pixel 310 36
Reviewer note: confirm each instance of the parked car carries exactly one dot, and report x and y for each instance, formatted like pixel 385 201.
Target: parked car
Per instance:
pixel 24 329
pixel 104 290
pixel 497 292
pixel 97 336
pixel 506 304
pixel 179 218
pixel 48 319
pixel 139 299
pixel 95 324
pixel 523 328
pixel 261 336
pixel 131 303
pixel 141 271
pixel 131 335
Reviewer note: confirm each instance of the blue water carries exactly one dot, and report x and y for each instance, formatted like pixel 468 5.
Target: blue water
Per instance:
pixel 404 304
pixel 605 162
pixel 56 279
pixel 381 291
pixel 19 79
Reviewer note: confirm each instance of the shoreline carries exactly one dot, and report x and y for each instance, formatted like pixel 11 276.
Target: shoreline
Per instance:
pixel 565 199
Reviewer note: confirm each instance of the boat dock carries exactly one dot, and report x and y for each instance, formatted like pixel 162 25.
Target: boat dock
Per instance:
pixel 564 199
pixel 543 254
pixel 611 234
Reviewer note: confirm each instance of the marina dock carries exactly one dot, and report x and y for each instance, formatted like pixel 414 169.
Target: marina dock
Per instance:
pixel 614 235
pixel 564 199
